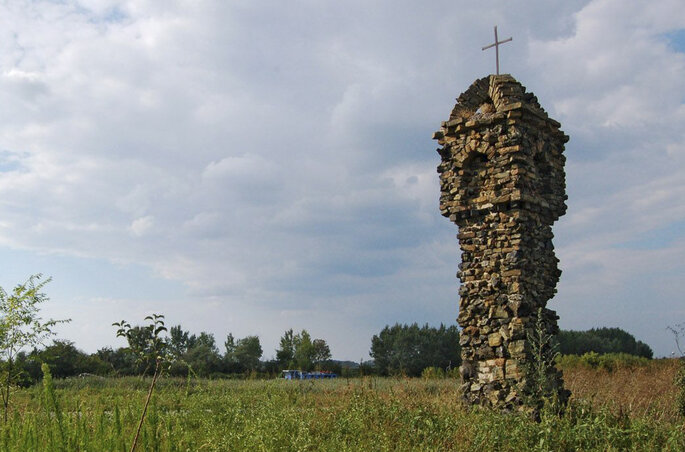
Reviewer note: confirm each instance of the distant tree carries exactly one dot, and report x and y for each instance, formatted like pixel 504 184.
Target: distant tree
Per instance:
pixel 307 353
pixel 321 352
pixel 601 340
pixel 197 355
pixel 231 364
pixel 27 367
pixel 408 349
pixel 121 361
pixel 20 327
pixel 271 367
pixel 247 352
pixel 230 344
pixel 304 350
pixel 203 356
pixel 285 354
pixel 206 340
pixel 64 359
pixel 179 341
pixel 242 355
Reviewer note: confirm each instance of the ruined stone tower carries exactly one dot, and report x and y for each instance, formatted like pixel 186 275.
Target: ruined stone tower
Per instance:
pixel 502 183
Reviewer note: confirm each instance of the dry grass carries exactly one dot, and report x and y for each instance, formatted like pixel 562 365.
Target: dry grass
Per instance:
pixel 637 391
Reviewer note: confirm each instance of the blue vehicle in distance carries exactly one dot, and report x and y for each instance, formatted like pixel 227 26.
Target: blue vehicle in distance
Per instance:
pixel 290 374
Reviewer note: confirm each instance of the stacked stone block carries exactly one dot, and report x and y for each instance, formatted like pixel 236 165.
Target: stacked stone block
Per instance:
pixel 503 184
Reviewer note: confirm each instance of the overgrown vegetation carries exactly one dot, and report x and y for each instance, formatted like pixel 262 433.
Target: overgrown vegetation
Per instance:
pixel 620 401
pixel 540 389
pixel 358 414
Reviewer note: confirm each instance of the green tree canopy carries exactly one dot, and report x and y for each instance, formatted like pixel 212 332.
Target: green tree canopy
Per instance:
pixel 301 351
pixel 179 341
pixel 321 351
pixel 408 349
pixel 197 354
pixel 601 340
pixel 247 352
pixel 304 351
pixel 285 354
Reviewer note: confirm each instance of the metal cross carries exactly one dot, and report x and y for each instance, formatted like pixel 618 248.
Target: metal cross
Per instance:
pixel 496 46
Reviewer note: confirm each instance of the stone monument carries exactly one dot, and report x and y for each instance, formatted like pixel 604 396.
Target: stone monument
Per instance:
pixel 502 182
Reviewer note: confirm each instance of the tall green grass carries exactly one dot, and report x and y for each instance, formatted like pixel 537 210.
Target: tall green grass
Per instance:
pixel 372 414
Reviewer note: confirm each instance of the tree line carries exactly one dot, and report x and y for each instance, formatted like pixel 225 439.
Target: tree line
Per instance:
pixel 399 349
pixel 396 350
pixel 601 340
pixel 185 354
pixel 410 349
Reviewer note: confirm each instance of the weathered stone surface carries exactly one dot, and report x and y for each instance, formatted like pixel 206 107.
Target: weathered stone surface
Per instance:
pixel 503 183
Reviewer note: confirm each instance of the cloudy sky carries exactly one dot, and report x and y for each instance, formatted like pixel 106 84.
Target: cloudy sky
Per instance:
pixel 254 166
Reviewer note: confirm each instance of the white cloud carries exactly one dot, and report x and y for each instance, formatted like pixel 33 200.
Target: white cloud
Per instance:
pixel 141 226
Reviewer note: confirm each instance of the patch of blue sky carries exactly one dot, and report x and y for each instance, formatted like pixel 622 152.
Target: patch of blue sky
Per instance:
pixel 9 161
pixel 115 15
pixel 7 166
pixel 656 238
pixel 112 15
pixel 86 278
pixel 677 39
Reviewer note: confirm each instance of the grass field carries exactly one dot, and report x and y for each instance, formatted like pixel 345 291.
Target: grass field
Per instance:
pixel 626 409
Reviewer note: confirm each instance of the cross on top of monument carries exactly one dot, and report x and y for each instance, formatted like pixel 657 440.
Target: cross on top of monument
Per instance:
pixel 496 46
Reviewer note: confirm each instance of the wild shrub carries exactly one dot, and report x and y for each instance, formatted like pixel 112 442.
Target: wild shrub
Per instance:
pixel 539 389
